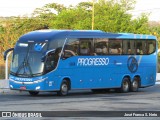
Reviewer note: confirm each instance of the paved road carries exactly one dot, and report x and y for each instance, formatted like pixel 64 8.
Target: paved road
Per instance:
pixel 147 99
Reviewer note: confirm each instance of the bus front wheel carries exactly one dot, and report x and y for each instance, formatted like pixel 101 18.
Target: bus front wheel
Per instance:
pixel 63 89
pixel 33 93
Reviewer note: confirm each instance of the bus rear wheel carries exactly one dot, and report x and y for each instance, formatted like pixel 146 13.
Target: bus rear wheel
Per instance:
pixel 63 89
pixel 33 93
pixel 125 86
pixel 134 85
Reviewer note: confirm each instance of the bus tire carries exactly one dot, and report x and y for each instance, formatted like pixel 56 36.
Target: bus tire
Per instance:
pixel 64 88
pixel 33 93
pixel 134 85
pixel 125 85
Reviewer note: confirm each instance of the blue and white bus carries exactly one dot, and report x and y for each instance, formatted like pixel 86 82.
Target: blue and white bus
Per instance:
pixel 63 60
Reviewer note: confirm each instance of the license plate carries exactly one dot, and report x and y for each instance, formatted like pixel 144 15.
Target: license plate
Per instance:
pixel 23 87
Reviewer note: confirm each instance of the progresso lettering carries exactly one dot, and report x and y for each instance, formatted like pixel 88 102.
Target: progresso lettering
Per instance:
pixel 92 61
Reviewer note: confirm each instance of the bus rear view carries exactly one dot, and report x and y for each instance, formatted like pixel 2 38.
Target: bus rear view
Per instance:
pixel 63 60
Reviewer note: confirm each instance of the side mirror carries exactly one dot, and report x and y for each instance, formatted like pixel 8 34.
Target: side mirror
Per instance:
pixel 6 53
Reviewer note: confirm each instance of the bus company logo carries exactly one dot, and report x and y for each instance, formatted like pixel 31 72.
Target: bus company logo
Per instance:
pixel 132 64
pixel 92 61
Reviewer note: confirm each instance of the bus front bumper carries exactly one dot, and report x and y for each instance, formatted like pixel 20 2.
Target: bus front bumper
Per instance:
pixel 37 85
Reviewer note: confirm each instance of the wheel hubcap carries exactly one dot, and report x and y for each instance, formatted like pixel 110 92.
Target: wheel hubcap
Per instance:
pixel 125 86
pixel 64 88
pixel 135 84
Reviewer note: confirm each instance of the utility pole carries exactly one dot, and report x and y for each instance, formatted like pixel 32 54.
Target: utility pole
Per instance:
pixel 92 14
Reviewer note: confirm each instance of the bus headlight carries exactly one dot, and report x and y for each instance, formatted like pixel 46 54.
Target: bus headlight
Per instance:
pixel 11 86
pixel 38 87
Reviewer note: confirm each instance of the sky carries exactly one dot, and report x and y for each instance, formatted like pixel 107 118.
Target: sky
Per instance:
pixel 26 7
pixel 148 6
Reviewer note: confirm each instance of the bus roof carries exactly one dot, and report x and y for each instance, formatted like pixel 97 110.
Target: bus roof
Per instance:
pixel 41 35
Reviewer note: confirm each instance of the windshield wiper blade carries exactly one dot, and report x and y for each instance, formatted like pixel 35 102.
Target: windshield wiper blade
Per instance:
pixel 19 68
pixel 25 64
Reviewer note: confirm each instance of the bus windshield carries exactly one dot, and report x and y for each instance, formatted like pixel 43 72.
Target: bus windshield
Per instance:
pixel 29 58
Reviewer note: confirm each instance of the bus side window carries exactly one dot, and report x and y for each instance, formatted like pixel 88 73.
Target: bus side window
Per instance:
pixel 151 47
pixel 115 47
pixel 50 63
pixel 144 47
pixel 86 47
pixel 128 47
pixel 132 47
pixel 139 50
pixel 71 48
pixel 101 46
pixel 125 47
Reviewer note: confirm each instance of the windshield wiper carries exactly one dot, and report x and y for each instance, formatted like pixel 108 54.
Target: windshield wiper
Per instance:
pixel 26 67
pixel 25 64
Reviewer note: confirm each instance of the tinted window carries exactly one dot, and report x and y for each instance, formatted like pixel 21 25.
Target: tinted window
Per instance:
pixel 128 47
pixel 140 47
pixel 101 46
pixel 151 46
pixel 71 48
pixel 86 47
pixel 115 46
pixel 56 43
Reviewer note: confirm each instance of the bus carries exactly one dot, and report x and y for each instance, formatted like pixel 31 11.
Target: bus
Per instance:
pixel 63 60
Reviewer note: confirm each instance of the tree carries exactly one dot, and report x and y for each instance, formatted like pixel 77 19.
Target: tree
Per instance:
pixel 140 25
pixel 48 13
pixel 110 16
pixel 75 18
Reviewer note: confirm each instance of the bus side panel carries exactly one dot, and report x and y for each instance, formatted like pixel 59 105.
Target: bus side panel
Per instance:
pixel 84 76
pixel 149 70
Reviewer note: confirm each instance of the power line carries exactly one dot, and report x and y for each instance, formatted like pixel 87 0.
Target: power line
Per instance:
pixel 144 10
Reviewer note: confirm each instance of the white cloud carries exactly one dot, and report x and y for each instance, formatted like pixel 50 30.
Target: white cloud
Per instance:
pixel 148 6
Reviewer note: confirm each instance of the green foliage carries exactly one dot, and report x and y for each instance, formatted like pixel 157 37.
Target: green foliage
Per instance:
pixel 127 4
pixel 140 25
pixel 13 28
pixel 109 16
pixel 72 19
